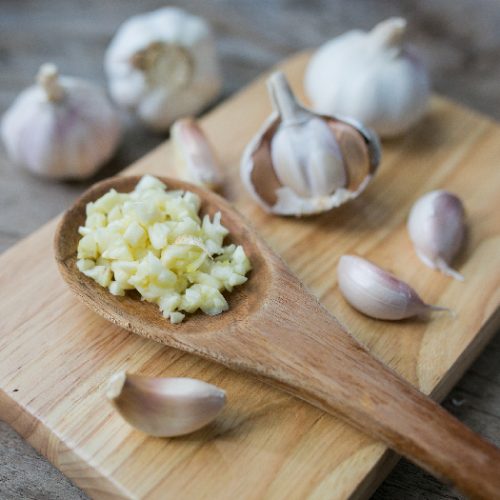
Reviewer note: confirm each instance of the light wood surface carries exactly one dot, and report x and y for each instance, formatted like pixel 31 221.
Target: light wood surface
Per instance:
pixel 75 34
pixel 291 447
pixel 303 351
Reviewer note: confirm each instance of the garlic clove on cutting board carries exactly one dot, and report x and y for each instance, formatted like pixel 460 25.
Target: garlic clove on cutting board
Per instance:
pixel 377 293
pixel 372 76
pixel 195 156
pixel 61 127
pixel 162 65
pixel 436 226
pixel 302 163
pixel 165 407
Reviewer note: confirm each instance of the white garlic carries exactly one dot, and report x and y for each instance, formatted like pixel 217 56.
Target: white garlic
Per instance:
pixel 302 163
pixel 370 76
pixel 437 229
pixel 163 65
pixel 165 407
pixel 377 293
pixel 61 128
pixel 195 157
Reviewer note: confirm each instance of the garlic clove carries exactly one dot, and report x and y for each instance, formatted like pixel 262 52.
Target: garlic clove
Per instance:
pixel 372 76
pixel 61 128
pixel 195 155
pixel 165 407
pixel 302 163
pixel 377 293
pixel 437 229
pixel 163 65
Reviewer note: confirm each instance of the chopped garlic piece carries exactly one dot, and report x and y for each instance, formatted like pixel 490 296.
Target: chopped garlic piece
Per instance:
pixel 154 241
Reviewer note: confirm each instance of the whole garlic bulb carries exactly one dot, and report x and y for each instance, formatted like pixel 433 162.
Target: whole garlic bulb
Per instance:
pixel 437 229
pixel 162 65
pixel 302 163
pixel 370 76
pixel 61 128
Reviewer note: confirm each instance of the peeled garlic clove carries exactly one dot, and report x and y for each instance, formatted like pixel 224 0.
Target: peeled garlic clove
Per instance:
pixel 371 76
pixel 302 163
pixel 61 128
pixel 437 229
pixel 195 156
pixel 377 293
pixel 163 65
pixel 165 407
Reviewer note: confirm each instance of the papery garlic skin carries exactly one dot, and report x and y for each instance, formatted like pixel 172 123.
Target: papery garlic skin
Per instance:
pixel 195 158
pixel 165 407
pixel 376 293
pixel 163 65
pixel 301 163
pixel 61 128
pixel 436 226
pixel 370 76
pixel 316 170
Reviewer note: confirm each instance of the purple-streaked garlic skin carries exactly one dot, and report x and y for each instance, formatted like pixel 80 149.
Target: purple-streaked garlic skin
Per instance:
pixel 436 226
pixel 377 293
pixel 165 407
pixel 302 163
pixel 195 155
pixel 61 127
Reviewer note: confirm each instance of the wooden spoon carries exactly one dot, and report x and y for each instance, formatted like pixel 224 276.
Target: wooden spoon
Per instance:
pixel 278 331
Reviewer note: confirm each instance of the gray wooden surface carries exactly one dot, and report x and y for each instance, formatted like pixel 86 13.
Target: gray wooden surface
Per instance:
pixel 458 39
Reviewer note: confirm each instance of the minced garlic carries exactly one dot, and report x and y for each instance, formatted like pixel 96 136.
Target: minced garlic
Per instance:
pixel 153 240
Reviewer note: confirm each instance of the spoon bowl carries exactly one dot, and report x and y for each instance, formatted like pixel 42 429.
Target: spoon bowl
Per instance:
pixel 143 317
pixel 278 331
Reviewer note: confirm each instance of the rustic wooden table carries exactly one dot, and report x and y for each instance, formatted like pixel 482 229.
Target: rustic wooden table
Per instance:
pixel 458 39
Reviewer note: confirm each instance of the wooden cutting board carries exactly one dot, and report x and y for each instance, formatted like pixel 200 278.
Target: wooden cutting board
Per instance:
pixel 55 355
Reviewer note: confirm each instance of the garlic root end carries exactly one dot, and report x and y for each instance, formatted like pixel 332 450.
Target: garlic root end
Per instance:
pixel 442 266
pixel 115 385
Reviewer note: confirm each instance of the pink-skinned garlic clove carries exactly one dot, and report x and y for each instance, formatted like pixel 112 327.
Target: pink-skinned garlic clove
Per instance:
pixel 302 163
pixel 436 226
pixel 165 407
pixel 196 158
pixel 377 293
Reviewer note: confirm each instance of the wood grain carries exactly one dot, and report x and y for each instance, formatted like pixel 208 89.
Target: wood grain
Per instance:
pixel 294 449
pixel 304 352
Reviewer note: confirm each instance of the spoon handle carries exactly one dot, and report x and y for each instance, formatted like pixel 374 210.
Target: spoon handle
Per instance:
pixel 324 365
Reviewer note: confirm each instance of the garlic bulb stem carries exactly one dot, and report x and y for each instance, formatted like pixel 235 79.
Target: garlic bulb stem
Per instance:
pixel 389 33
pixel 284 101
pixel 48 79
pixel 165 407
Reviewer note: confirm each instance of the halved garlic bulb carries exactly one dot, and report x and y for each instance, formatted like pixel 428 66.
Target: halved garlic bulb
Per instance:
pixel 437 229
pixel 303 163
pixel 165 407
pixel 377 293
